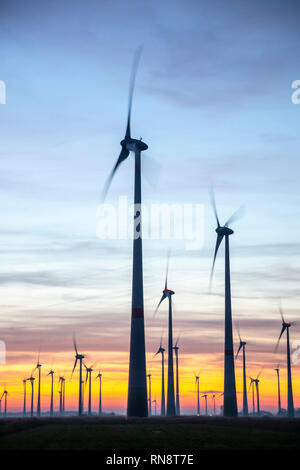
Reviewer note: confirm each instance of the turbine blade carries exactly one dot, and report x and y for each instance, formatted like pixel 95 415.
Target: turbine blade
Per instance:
pixel 73 368
pixel 135 65
pixel 235 216
pixel 123 155
pixel 162 298
pixel 281 313
pixel 240 347
pixel 213 203
pixel 218 243
pixel 75 345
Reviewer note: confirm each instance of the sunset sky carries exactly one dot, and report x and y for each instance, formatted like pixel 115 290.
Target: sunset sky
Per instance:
pixel 213 102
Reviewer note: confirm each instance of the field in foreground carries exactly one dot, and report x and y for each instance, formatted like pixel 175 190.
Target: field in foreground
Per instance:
pixel 161 434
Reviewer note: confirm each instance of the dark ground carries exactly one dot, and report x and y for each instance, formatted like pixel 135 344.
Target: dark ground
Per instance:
pixel 159 434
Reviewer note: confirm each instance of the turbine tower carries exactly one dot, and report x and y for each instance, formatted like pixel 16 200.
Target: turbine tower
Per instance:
pixel 150 400
pixel 31 380
pixel 38 367
pixel 161 351
pixel 205 396
pixel 256 381
pixel 78 357
pixel 167 294
pixel 88 378
pixel 252 382
pixel 24 400
pixel 198 394
pixel 51 399
pixel 245 399
pixel 278 389
pixel 214 403
pixel 61 382
pixel 137 383
pixel 4 394
pixel 99 376
pixel 154 401
pixel 230 402
pixel 176 349
pixel 286 327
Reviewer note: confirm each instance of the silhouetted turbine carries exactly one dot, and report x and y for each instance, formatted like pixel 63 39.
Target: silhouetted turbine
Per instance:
pixel 99 376
pixel 245 399
pixel 78 357
pixel 198 394
pixel 24 399
pixel 230 402
pixel 150 400
pixel 161 351
pixel 167 294
pixel 62 384
pixel 252 383
pixel 31 380
pixel 286 327
pixel 88 377
pixel 38 367
pixel 278 389
pixel 4 394
pixel 214 403
pixel 51 399
pixel 176 349
pixel 205 397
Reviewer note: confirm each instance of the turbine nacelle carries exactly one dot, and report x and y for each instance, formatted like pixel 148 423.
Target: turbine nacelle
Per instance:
pixel 133 145
pixel 224 231
pixel 168 292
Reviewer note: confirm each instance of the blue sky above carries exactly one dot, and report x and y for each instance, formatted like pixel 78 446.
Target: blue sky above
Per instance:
pixel 212 101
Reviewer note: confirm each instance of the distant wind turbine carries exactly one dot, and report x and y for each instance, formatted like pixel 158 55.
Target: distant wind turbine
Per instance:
pixel 24 399
pixel 99 376
pixel 88 378
pixel 278 389
pixel 137 386
pixel 286 327
pixel 245 399
pixel 51 399
pixel 214 403
pixel 150 401
pixel 154 401
pixel 176 349
pixel 167 294
pixel 4 394
pixel 205 397
pixel 161 351
pixel 198 394
pixel 252 384
pixel 31 380
pixel 256 383
pixel 78 357
pixel 230 402
pixel 61 383
pixel 38 367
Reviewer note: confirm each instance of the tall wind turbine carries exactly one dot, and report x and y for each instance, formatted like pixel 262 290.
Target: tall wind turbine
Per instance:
pixel 4 394
pixel 278 389
pixel 51 399
pixel 38 367
pixel 167 294
pixel 150 400
pixel 137 384
pixel 88 378
pixel 24 399
pixel 61 383
pixel 31 380
pixel 230 402
pixel 256 381
pixel 286 327
pixel 99 376
pixel 198 394
pixel 176 349
pixel 245 399
pixel 161 351
pixel 205 397
pixel 78 357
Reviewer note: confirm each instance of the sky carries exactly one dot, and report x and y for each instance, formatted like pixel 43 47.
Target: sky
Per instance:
pixel 213 103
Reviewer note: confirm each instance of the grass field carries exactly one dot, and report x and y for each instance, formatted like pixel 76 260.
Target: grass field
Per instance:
pixel 161 434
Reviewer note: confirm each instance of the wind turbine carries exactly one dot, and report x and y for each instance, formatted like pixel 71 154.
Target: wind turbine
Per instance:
pixel 88 377
pixel 78 357
pixel 278 388
pixel 205 396
pixel 61 382
pixel 154 401
pixel 230 402
pixel 167 294
pixel 252 382
pixel 4 394
pixel 176 349
pixel 31 380
pixel 24 400
pixel 99 376
pixel 51 399
pixel 286 327
pixel 137 384
pixel 38 367
pixel 161 351
pixel 245 400
pixel 198 396
pixel 150 400
pixel 257 393
pixel 214 403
